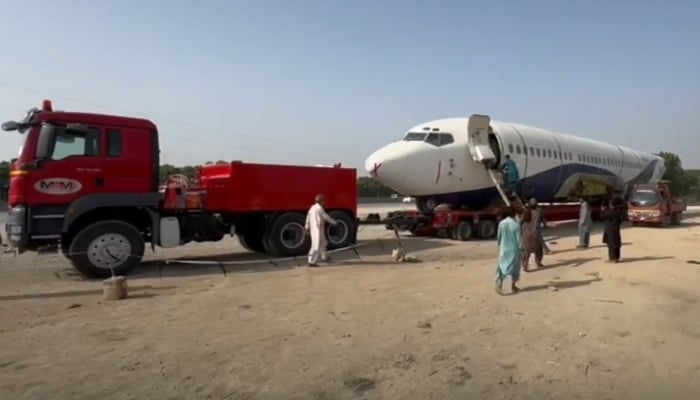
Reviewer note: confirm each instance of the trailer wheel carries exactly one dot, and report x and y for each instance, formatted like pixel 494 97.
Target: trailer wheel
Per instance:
pixel 343 234
pixel 676 218
pixel 106 246
pixel 287 236
pixel 487 229
pixel 464 230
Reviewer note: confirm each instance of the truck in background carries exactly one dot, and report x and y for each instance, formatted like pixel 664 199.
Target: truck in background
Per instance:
pixel 653 204
pixel 88 184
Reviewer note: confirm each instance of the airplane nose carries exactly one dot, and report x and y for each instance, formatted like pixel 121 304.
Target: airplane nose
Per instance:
pixel 387 167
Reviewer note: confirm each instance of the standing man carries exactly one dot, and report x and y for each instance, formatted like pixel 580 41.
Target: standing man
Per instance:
pixel 315 226
pixel 540 226
pixel 585 223
pixel 613 217
pixel 531 235
pixel 509 245
pixel 512 176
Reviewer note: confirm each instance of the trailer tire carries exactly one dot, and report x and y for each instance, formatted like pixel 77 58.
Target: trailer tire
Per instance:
pixel 282 245
pixel 487 229
pixel 342 235
pixel 90 248
pixel 464 230
pixel 676 218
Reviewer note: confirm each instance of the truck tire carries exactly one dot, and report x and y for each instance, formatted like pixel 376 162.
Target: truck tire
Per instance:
pixel 287 237
pixel 106 246
pixel 251 241
pixel 676 218
pixel 343 234
pixel 487 229
pixel 464 230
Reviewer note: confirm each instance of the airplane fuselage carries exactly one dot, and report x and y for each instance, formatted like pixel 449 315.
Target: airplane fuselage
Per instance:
pixel 433 162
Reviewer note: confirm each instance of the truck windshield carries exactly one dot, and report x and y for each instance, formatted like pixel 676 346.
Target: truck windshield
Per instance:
pixel 644 198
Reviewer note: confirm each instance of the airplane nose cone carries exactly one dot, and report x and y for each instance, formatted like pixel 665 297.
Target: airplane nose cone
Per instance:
pixel 387 167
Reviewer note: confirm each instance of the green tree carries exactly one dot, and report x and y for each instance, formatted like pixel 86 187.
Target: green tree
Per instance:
pixel 681 182
pixel 168 169
pixel 368 187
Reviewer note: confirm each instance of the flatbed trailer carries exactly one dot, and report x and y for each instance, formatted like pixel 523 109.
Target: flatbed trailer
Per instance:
pixel 89 185
pixel 470 224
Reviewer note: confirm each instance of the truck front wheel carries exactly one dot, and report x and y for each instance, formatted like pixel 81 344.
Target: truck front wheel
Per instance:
pixel 106 247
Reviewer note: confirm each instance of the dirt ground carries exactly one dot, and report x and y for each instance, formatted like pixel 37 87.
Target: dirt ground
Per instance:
pixel 363 329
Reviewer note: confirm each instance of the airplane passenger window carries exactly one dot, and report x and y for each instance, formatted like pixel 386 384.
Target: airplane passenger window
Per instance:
pixel 446 138
pixel 433 139
pixel 517 149
pixel 561 155
pixel 532 151
pixel 538 152
pixel 579 157
pixel 510 148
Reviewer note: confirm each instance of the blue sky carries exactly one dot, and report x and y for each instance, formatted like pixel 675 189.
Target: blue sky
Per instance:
pixel 302 81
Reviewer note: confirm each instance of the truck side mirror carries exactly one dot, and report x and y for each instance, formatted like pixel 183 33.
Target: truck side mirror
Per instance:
pixel 10 126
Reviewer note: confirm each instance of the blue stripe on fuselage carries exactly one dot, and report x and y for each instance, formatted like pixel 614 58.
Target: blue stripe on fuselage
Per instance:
pixel 542 186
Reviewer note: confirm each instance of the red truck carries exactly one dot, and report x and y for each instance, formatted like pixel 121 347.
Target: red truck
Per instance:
pixel 89 185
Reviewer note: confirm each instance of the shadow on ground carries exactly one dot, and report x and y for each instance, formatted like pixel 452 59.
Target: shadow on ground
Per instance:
pixel 575 262
pixel 247 262
pixel 560 285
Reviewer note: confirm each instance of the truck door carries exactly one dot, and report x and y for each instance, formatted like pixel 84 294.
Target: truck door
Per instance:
pixel 68 163
pixel 128 162
pixel 478 140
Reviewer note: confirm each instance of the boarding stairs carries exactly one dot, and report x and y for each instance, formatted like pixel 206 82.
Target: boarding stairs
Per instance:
pixel 497 178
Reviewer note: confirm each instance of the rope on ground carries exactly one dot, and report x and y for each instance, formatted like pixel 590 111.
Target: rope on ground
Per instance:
pixel 274 261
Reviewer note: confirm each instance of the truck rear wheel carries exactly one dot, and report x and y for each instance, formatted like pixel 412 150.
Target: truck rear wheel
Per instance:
pixel 106 246
pixel 251 241
pixel 464 231
pixel 487 229
pixel 287 236
pixel 343 234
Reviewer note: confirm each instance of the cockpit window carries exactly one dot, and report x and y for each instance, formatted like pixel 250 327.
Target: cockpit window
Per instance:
pixel 446 138
pixel 433 139
pixel 415 136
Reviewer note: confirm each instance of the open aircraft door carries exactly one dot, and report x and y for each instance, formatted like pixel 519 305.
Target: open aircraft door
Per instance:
pixel 478 140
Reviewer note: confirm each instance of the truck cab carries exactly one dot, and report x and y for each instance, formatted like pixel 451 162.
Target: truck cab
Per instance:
pixel 653 204
pixel 74 165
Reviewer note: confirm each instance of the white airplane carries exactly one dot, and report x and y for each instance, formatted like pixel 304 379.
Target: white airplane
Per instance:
pixel 447 161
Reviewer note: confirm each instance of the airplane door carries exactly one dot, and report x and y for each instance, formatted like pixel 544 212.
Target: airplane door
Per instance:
pixel 478 139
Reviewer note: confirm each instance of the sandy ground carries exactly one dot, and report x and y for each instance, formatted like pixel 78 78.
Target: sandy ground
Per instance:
pixel 363 329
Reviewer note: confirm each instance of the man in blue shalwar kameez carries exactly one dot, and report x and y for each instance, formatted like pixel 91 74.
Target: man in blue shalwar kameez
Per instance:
pixel 509 250
pixel 512 176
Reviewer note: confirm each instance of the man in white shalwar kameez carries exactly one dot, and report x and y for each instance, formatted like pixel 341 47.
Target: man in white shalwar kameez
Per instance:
pixel 315 224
